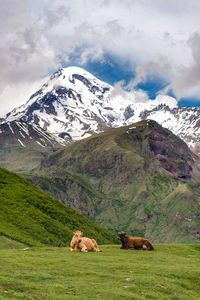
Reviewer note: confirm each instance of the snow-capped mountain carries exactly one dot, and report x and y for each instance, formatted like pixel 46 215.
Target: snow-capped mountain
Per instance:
pixel 75 103
pixel 69 103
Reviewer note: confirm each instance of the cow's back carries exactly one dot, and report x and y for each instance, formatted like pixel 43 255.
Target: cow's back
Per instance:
pixel 88 243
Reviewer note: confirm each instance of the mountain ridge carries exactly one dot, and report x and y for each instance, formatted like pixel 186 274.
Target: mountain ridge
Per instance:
pixel 76 104
pixel 140 178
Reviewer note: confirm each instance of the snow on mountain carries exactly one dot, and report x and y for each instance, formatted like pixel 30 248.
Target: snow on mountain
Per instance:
pixel 20 133
pixel 74 103
pixel 70 102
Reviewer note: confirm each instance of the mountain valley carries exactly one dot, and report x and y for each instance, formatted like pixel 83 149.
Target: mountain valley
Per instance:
pixel 116 159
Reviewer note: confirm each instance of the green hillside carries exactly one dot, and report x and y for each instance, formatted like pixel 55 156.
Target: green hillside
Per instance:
pixel 31 217
pixel 140 178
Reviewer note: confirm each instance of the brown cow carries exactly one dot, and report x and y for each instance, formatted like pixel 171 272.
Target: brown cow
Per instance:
pixel 129 242
pixel 84 244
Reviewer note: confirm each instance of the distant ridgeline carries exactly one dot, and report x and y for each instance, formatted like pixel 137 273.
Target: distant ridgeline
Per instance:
pixel 31 217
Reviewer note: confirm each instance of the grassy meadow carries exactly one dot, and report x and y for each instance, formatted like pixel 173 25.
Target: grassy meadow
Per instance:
pixel 169 272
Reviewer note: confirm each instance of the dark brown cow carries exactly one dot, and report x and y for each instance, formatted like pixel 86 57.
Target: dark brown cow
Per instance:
pixel 129 242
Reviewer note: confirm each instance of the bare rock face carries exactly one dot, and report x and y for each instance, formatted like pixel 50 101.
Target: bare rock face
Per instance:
pixel 172 152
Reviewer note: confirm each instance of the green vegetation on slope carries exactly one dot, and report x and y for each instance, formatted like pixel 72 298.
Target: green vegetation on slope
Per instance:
pixel 30 216
pixel 135 178
pixel 169 272
pixel 159 208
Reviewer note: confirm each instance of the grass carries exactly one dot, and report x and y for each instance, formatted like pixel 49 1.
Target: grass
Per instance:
pixel 6 243
pixel 169 272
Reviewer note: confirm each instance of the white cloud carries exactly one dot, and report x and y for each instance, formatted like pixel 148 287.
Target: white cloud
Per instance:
pixel 129 96
pixel 153 36
pixel 25 52
pixel 16 94
pixel 187 82
pixel 123 93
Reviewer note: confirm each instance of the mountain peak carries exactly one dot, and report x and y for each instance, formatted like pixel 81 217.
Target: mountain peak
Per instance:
pixel 68 72
pixel 76 70
pixel 76 103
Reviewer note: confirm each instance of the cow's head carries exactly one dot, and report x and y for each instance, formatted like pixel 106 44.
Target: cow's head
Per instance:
pixel 121 235
pixel 77 235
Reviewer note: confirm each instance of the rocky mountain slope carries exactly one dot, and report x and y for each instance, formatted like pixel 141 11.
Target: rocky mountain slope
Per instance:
pixel 33 218
pixel 73 103
pixel 23 145
pixel 139 178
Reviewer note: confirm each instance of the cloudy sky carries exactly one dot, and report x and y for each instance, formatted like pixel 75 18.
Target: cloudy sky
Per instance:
pixel 153 45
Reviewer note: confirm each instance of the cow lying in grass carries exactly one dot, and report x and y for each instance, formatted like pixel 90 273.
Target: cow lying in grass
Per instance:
pixel 129 242
pixel 84 244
